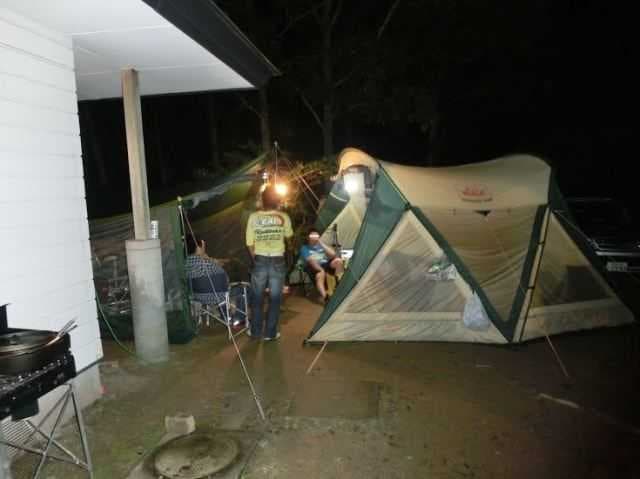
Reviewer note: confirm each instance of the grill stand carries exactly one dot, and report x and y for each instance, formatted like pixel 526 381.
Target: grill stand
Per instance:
pixel 61 407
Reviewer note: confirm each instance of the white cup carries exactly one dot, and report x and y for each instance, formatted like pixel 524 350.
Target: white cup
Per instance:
pixel 154 230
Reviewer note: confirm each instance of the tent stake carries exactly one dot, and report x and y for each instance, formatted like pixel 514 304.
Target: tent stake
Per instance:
pixel 315 360
pixel 564 370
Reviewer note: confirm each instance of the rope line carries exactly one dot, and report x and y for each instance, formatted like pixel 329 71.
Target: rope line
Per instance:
pixel 228 322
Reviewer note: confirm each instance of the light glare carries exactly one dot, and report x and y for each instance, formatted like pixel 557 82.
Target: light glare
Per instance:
pixel 351 184
pixel 281 189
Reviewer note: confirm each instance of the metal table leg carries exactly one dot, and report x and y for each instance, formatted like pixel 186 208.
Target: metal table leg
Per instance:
pixel 67 457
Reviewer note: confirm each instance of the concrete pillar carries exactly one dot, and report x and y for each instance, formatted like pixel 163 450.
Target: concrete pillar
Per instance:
pixel 144 257
pixel 146 285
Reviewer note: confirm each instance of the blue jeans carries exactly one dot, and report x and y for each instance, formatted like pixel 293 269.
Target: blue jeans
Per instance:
pixel 267 271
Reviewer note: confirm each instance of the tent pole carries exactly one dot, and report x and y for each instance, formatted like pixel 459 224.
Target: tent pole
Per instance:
pixel 564 370
pixel 535 270
pixel 315 360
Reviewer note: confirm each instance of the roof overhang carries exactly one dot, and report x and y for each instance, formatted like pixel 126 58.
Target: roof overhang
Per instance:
pixel 176 46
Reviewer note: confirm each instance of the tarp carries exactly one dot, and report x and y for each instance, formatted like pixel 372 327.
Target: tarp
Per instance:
pixel 492 227
pixel 216 215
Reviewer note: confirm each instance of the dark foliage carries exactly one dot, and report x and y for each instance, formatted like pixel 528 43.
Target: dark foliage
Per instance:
pixel 427 82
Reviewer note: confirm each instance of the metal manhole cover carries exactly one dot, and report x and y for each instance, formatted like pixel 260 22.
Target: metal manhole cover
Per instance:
pixel 195 456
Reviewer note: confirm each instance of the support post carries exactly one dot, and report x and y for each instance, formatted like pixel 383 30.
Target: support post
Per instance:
pixel 144 256
pixel 135 152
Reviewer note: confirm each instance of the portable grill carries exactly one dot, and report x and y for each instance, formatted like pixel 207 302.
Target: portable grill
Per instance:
pixel 32 364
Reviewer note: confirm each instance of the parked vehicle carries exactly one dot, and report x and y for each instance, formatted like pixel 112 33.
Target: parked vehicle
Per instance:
pixel 611 231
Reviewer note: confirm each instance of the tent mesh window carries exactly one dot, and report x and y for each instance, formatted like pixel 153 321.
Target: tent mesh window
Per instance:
pixel 492 245
pixel 565 275
pixel 398 280
pixel 347 224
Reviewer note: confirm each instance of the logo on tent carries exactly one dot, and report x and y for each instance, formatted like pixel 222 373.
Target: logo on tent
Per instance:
pixel 475 193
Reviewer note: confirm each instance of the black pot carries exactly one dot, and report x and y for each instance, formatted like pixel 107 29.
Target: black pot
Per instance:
pixel 22 351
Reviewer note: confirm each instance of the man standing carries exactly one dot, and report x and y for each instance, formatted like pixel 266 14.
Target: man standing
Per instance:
pixel 267 232
pixel 320 259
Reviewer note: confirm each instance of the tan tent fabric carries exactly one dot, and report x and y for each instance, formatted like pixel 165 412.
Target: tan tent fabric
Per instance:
pixel 353 157
pixel 575 317
pixel 509 182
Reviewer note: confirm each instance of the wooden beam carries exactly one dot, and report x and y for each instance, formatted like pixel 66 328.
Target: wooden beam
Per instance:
pixel 135 151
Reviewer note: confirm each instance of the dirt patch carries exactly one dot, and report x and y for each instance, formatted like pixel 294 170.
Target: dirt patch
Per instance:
pixel 337 399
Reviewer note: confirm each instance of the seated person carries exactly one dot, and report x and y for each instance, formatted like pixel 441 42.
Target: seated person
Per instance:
pixel 209 281
pixel 320 259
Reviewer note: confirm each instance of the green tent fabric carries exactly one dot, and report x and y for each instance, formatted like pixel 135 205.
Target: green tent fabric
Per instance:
pixel 331 208
pixel 219 217
pixel 475 253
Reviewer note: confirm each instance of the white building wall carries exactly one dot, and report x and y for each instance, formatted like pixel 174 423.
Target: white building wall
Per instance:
pixel 45 256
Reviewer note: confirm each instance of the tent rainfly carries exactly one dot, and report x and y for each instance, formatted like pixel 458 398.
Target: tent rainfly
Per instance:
pixel 430 243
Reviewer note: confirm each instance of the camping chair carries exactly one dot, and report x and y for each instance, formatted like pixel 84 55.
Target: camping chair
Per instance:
pixel 309 284
pixel 305 280
pixel 214 298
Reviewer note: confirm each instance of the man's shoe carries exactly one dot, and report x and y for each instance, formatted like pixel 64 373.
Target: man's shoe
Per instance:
pixel 249 333
pixel 273 339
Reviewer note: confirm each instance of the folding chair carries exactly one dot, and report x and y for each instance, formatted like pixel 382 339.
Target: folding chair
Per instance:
pixel 309 284
pixel 214 298
pixel 303 278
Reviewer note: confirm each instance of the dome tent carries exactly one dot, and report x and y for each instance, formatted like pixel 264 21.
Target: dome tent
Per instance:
pixel 502 230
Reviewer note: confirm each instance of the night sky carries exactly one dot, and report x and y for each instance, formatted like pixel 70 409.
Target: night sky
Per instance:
pixel 420 82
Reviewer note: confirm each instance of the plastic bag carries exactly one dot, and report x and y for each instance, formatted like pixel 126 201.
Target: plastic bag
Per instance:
pixel 475 317
pixel 442 270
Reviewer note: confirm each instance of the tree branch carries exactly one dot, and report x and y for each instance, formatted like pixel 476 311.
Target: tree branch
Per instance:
pixel 345 78
pixel 297 19
pixel 387 18
pixel 249 106
pixel 311 110
pixel 336 14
